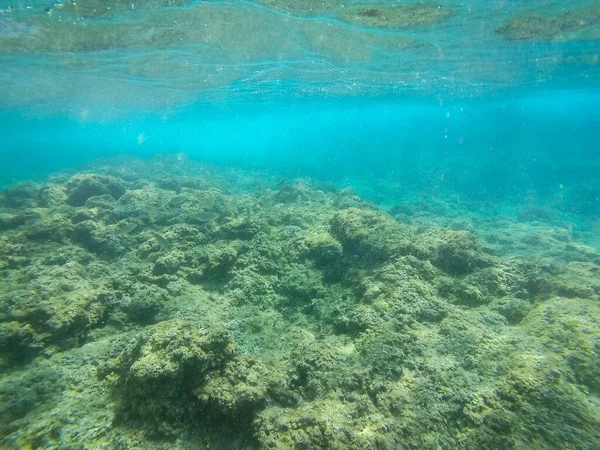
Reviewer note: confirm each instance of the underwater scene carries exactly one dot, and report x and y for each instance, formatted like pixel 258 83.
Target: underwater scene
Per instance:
pixel 299 224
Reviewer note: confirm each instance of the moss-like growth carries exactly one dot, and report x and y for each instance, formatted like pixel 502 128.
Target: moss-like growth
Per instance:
pixel 244 387
pixel 52 195
pixel 55 228
pixel 22 195
pixel 59 312
pixel 458 253
pixel 169 263
pixel 81 187
pixel 22 392
pixel 211 262
pixel 163 367
pixel 242 228
pixel 513 309
pixel 323 249
pixel 99 239
pixel 141 304
pixel 9 221
pixel 300 285
pixel 18 341
pixel 372 237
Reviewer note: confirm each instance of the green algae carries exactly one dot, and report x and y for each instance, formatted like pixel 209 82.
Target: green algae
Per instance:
pixel 300 317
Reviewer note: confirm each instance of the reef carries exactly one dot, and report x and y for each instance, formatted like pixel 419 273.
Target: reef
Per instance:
pixel 168 304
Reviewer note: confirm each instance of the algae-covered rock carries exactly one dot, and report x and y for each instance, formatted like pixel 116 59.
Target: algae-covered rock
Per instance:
pixel 141 303
pixel 105 201
pixel 9 221
pixel 19 341
pixel 242 389
pixel 52 195
pixel 463 293
pixel 140 203
pixel 175 349
pixel 81 187
pixel 458 253
pixel 164 366
pixel 169 263
pixel 99 239
pixel 249 287
pixel 22 195
pixel 570 329
pixel 243 228
pixel 55 228
pixel 289 193
pixel 212 261
pixel 513 309
pixel 347 198
pixel 323 249
pixel 324 425
pixel 573 280
pixel 24 391
pixel 372 237
pixel 300 284
pixel 60 311
pixel 353 330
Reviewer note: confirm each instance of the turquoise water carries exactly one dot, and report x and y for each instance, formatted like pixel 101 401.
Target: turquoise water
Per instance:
pixel 290 85
pixel 288 224
pixel 489 149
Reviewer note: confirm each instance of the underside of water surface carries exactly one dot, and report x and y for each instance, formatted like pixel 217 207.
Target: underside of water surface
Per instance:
pixel 299 224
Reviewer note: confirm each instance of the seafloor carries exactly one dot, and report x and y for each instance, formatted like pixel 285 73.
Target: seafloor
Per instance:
pixel 167 304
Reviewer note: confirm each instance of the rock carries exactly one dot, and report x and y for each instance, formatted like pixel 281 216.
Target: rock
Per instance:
pixel 323 249
pixel 105 201
pixel 164 366
pixel 243 228
pixel 241 391
pixel 10 221
pixel 81 187
pixel 173 350
pixel 52 195
pixel 458 253
pixel 513 309
pixel 168 264
pixel 22 195
pixel 98 239
pixel 372 237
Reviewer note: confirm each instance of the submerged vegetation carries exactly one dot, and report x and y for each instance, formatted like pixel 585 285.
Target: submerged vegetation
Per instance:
pixel 161 304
